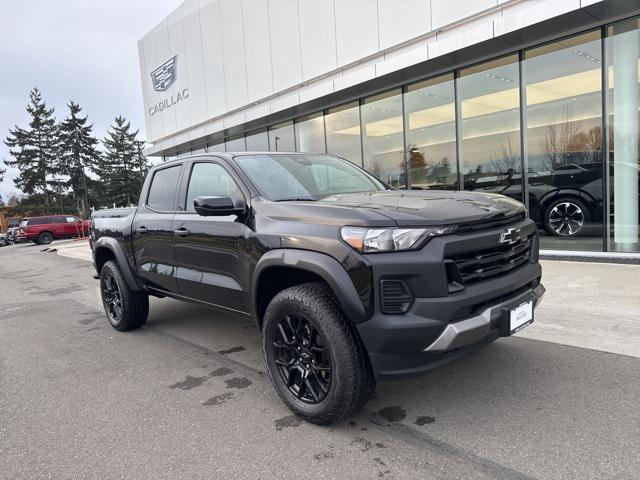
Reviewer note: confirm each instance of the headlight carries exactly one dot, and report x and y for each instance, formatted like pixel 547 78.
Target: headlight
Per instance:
pixel 369 240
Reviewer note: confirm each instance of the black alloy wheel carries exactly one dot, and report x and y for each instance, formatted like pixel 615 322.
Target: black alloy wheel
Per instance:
pixel 302 358
pixel 112 298
pixel 125 308
pixel 314 356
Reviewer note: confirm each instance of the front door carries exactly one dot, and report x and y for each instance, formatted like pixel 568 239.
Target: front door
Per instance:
pixel 211 265
pixel 152 233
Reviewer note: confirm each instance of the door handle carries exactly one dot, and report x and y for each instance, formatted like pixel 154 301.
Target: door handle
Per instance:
pixel 141 230
pixel 182 232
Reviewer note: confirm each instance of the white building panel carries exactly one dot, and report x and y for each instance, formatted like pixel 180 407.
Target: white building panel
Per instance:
pixel 444 12
pixel 317 37
pixel 285 44
pixel 163 48
pixel 213 67
pixel 194 68
pixel 233 53
pixel 356 29
pixel 402 20
pixel 257 44
pixel 181 108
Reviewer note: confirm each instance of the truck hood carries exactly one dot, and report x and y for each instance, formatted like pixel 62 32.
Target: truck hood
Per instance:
pixel 398 207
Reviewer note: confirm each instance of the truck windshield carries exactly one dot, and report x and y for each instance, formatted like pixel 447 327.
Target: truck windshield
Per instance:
pixel 305 177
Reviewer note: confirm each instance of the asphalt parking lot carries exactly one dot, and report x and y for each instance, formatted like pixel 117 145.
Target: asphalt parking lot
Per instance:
pixel 187 396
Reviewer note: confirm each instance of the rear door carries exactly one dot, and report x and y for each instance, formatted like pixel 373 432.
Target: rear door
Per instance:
pixel 152 235
pixel 211 258
pixel 71 227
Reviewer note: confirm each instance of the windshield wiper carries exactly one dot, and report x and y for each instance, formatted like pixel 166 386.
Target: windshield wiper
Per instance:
pixel 296 199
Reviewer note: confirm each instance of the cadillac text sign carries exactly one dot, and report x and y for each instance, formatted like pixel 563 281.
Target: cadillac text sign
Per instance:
pixel 162 78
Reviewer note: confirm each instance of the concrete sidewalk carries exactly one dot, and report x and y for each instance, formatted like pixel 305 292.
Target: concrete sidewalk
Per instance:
pixel 76 248
pixel 589 305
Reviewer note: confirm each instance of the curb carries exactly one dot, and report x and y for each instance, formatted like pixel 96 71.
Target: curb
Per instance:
pixel 593 257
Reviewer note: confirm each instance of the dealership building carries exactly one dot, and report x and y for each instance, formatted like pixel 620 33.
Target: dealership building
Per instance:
pixel 501 96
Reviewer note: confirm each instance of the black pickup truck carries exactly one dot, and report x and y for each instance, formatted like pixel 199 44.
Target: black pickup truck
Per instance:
pixel 349 281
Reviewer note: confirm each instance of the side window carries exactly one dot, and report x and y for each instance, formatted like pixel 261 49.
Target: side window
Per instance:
pixel 57 220
pixel 211 180
pixel 71 219
pixel 163 189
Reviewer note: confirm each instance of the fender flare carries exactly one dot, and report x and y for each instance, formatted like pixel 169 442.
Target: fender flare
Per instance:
pixel 121 259
pixel 326 267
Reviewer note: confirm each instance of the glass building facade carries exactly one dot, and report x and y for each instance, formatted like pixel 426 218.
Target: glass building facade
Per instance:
pixel 528 125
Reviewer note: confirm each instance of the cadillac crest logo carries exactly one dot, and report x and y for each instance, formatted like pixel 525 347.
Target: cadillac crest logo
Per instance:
pixel 163 78
pixel 165 75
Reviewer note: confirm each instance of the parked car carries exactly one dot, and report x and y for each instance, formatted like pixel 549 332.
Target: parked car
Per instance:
pixel 348 281
pixel 9 237
pixel 43 230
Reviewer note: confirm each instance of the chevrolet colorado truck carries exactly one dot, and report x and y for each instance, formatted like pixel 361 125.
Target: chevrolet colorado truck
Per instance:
pixel 348 281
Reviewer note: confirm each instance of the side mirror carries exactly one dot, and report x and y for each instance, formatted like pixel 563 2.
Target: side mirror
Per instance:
pixel 216 206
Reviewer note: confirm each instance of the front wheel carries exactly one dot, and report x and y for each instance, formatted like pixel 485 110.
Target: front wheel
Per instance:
pixel 126 309
pixel 314 356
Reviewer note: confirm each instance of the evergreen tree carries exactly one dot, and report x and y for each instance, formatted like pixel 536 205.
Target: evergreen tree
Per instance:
pixel 122 164
pixel 78 151
pixel 34 149
pixel 141 162
pixel 2 172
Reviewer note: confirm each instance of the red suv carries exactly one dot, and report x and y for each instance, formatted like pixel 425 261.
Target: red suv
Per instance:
pixel 42 230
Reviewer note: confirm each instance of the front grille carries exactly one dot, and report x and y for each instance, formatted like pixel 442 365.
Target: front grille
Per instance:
pixel 489 224
pixel 396 296
pixel 481 265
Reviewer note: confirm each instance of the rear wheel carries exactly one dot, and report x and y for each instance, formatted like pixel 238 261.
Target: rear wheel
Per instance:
pixel 126 309
pixel 45 238
pixel 314 356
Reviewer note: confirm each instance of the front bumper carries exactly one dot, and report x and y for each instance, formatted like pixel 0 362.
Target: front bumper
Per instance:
pixel 442 325
pixel 398 349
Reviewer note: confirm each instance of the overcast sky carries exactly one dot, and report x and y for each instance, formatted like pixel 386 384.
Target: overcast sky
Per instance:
pixel 73 49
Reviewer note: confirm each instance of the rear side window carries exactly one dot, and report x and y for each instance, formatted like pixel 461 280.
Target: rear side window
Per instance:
pixel 211 179
pixel 162 191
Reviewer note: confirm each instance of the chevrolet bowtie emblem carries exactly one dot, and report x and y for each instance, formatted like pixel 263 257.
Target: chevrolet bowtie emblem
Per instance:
pixel 510 236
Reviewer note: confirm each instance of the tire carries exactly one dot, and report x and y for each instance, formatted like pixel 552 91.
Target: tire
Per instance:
pixel 125 309
pixel 566 217
pixel 45 238
pixel 329 395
